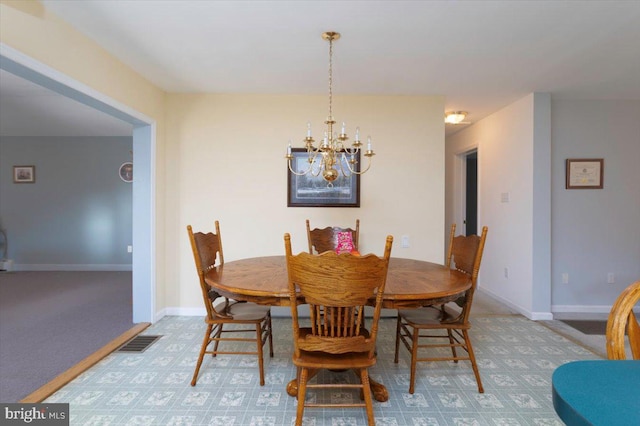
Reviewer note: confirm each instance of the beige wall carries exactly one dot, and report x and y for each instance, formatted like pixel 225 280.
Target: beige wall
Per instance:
pixel 227 163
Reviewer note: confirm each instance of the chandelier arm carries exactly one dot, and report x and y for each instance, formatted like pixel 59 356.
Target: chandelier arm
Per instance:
pixel 298 173
pixel 352 150
pixel 361 172
pixel 344 161
pixel 313 154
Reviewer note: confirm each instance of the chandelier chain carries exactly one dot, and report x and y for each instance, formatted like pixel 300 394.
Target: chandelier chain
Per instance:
pixel 330 78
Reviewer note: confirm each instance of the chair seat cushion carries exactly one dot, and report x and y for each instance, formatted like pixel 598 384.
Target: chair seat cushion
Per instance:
pixel 246 311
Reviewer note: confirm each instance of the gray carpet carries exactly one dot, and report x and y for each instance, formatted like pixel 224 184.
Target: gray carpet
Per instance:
pixel 49 321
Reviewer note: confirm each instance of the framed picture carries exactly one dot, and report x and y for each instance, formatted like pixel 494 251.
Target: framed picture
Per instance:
pixel 126 172
pixel 584 173
pixel 313 191
pixel 24 174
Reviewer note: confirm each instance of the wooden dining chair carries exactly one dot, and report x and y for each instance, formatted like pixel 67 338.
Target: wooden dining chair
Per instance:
pixel 329 238
pixel 243 317
pixel 437 323
pixel 622 318
pixel 336 287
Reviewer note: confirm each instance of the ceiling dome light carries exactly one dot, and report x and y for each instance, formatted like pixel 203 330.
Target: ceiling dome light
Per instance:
pixel 454 117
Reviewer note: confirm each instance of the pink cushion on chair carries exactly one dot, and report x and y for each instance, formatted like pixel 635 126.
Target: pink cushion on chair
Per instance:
pixel 345 243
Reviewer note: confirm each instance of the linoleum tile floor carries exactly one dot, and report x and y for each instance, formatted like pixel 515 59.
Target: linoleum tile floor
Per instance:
pixel 516 358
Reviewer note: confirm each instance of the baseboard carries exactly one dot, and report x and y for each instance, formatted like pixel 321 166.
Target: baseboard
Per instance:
pixel 532 315
pixel 584 312
pixel 28 267
pixel 580 312
pixel 186 312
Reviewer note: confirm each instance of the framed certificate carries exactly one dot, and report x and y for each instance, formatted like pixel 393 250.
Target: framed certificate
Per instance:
pixel 584 173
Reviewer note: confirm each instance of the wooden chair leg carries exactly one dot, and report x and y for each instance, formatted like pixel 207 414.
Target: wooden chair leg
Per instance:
pixel 472 358
pixel 260 354
pixel 414 356
pixel 270 337
pixel 366 388
pixel 398 330
pixel 203 348
pixel 302 390
pixel 217 341
pixel 452 343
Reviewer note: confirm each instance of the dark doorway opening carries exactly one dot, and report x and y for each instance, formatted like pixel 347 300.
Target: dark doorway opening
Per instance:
pixel 471 213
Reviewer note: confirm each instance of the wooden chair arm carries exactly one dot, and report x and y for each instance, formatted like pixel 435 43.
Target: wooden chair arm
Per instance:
pixel 622 318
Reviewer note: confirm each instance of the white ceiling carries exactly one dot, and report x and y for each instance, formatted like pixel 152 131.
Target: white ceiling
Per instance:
pixel 479 55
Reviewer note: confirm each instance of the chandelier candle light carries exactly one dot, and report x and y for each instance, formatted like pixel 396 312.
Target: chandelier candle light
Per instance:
pixel 332 154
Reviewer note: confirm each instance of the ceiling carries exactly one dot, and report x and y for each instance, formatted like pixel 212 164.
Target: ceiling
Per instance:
pixel 479 55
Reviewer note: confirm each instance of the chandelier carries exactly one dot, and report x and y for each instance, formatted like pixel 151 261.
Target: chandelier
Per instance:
pixel 333 155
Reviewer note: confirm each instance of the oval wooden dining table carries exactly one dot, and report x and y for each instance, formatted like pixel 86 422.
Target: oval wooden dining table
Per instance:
pixel 410 284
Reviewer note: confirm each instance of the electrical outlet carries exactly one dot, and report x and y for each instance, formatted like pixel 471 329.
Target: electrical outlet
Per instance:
pixel 129 249
pixel 506 272
pixel 405 241
pixel 611 278
pixel 565 278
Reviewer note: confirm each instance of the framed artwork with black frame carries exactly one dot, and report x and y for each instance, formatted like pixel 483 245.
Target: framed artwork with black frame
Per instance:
pixel 584 173
pixel 313 191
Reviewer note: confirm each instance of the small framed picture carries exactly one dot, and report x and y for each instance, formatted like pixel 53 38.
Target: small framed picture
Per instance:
pixel 24 174
pixel 584 173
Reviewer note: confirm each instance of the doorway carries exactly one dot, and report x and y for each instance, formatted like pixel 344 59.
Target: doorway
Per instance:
pixel 465 191
pixel 471 194
pixel 143 256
